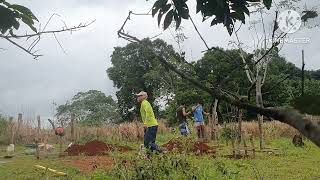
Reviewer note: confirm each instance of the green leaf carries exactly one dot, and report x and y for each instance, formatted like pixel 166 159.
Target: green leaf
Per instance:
pixel 267 3
pixel 230 26
pixel 28 21
pixel 155 10
pixel 156 7
pixel 214 22
pixel 168 19
pixel 246 10
pixel 177 18
pixel 166 8
pixel 160 14
pixel 240 16
pixel 16 24
pixel 184 12
pixel 199 5
pixel 23 10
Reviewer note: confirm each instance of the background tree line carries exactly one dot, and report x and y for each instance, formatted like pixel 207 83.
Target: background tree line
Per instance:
pixel 132 72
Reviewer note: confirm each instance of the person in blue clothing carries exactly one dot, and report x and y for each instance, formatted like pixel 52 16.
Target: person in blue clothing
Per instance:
pixel 198 113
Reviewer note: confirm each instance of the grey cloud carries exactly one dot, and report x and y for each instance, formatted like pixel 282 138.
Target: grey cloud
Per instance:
pixel 31 86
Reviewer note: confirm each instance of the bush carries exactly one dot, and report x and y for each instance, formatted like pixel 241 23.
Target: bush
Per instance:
pixel 158 167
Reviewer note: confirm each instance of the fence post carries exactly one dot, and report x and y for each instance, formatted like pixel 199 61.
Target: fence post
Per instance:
pixel 240 126
pixel 18 134
pixel 252 146
pixel 38 138
pixel 11 130
pixel 72 126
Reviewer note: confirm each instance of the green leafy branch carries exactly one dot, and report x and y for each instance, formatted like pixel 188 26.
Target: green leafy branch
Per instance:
pixel 11 16
pixel 225 12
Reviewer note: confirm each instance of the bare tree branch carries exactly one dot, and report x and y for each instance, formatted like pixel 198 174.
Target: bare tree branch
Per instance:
pixel 195 27
pixel 29 50
pixel 247 70
pixel 75 28
pixel 35 56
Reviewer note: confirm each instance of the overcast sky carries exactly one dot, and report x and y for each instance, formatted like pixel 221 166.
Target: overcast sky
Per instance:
pixel 30 86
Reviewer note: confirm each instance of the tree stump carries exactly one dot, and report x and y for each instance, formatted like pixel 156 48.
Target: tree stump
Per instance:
pixel 297 140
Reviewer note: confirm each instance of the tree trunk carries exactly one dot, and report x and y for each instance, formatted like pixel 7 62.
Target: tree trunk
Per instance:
pixel 214 121
pixel 259 103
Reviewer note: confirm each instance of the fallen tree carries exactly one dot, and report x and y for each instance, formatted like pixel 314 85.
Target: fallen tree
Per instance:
pixel 292 117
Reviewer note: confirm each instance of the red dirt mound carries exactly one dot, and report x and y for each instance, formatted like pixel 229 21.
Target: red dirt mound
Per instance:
pixel 88 164
pixel 174 145
pixel 75 150
pixel 93 148
pixel 201 148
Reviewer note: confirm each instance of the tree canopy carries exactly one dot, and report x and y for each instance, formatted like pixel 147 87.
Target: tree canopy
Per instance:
pixel 136 69
pixel 91 108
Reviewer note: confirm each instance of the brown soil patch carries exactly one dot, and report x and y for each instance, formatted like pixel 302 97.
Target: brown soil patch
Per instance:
pixel 94 148
pixel 174 145
pixel 200 148
pixel 74 150
pixel 87 164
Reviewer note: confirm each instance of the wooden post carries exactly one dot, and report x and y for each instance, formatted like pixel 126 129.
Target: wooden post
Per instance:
pixel 45 143
pixel 18 134
pixel 72 127
pixel 302 74
pixel 39 127
pixel 214 121
pixel 233 148
pixel 252 146
pixel 240 126
pixel 38 139
pixel 12 133
pixel 244 145
pixel 60 145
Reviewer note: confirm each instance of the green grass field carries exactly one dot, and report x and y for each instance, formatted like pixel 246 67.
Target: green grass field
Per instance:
pixel 289 162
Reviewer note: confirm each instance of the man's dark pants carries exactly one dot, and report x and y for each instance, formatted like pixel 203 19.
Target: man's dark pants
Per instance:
pixel 150 135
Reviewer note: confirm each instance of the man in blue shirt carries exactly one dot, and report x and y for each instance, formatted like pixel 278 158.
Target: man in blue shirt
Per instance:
pixel 198 112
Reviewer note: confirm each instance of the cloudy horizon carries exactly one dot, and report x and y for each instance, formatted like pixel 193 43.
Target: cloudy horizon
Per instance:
pixel 31 86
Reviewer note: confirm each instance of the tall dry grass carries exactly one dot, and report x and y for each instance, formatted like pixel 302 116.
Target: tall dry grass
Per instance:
pixel 271 130
pixel 130 132
pixel 26 133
